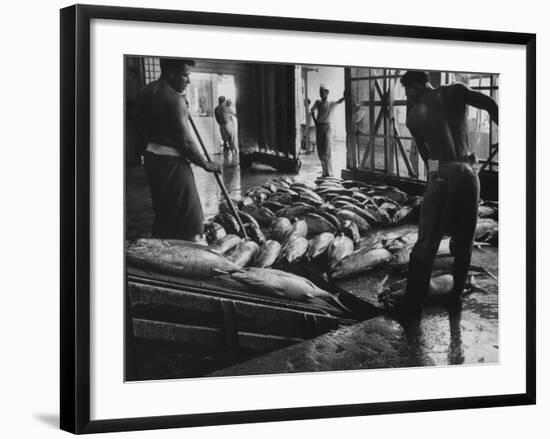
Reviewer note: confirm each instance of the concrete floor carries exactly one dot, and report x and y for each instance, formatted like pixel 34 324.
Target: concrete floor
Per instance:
pixel 139 208
pixel 464 335
pixel 442 337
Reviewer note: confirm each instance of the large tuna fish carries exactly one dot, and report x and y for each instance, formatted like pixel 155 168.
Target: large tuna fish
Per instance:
pixel 360 261
pixel 243 253
pixel 263 215
pixel 280 228
pixel 281 198
pixel 274 206
pixel 310 195
pixel 228 222
pixel 398 243
pixel 330 215
pixel 367 216
pixel 246 218
pixel 319 245
pixel 267 255
pixel 302 184
pixel 225 244
pixel 487 212
pixel 350 229
pixel 346 199
pixel 402 256
pixel 292 212
pixel 406 214
pixel 341 247
pixel 181 257
pixel 361 222
pixel 354 183
pixel 393 193
pixel 294 250
pixel 380 215
pixel 213 231
pixel 283 190
pixel 281 284
pixel 487 230
pixel 299 230
pixel 254 233
pixel 317 224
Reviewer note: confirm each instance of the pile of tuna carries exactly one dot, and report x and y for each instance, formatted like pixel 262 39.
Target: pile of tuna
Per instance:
pixel 346 227
pixel 341 228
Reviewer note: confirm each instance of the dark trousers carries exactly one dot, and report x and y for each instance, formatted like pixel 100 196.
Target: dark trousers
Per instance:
pixel 449 207
pixel 324 147
pixel 178 211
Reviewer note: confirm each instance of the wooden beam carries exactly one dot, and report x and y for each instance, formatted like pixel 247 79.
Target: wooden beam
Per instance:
pixel 202 335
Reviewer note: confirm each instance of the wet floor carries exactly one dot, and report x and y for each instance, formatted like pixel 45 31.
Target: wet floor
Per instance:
pixel 139 208
pixel 442 337
pixel 464 334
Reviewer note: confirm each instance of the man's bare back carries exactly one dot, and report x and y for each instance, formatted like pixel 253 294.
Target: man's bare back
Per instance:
pixel 439 119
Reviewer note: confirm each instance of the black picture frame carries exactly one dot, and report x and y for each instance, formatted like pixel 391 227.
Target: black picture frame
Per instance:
pixel 75 217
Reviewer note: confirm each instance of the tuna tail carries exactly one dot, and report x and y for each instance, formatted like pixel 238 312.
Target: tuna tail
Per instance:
pixel 340 304
pixel 473 287
pixel 325 306
pixel 488 273
pixel 479 245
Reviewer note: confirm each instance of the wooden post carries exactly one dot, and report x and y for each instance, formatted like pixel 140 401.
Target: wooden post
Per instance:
pixel 372 139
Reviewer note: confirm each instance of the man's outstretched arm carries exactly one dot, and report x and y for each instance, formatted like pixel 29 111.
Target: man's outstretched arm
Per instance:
pixel 480 100
pixel 343 98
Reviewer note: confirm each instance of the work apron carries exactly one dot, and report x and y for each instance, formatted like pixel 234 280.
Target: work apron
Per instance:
pixel 176 202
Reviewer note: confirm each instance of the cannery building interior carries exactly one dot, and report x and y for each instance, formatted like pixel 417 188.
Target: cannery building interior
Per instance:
pixel 372 143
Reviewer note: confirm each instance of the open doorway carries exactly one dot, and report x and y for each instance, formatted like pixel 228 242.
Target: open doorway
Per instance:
pixel 203 93
pixel 310 78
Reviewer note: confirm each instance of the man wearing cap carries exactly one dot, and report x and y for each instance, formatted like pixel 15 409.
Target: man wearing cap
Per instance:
pixel 322 112
pixel 438 122
pixel 164 127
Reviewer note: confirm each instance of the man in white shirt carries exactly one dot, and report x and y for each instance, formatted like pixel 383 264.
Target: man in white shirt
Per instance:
pixel 322 113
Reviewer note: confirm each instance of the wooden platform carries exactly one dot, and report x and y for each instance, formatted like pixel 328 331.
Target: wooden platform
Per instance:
pixel 216 318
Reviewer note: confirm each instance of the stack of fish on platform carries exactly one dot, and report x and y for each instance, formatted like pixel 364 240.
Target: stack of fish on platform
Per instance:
pixel 344 227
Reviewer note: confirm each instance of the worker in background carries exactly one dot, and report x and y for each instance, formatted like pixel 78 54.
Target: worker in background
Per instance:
pixel 322 112
pixel 170 151
pixel 437 120
pixel 233 116
pixel 223 117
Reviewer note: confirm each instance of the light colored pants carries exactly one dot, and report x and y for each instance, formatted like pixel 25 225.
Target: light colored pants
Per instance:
pixel 324 147
pixel 227 132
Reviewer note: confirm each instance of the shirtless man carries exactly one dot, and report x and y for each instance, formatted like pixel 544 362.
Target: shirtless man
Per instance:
pixel 438 123
pixel 164 124
pixel 222 113
pixel 322 112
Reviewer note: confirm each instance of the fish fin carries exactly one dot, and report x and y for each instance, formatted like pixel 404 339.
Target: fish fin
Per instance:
pixel 325 306
pixel 383 282
pixel 220 271
pixel 488 273
pixel 344 307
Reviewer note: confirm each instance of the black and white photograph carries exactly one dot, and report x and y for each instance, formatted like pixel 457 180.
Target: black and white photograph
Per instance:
pixel 297 218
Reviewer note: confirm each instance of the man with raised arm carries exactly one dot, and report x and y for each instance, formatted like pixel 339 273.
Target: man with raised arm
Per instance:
pixel 437 120
pixel 170 151
pixel 322 112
